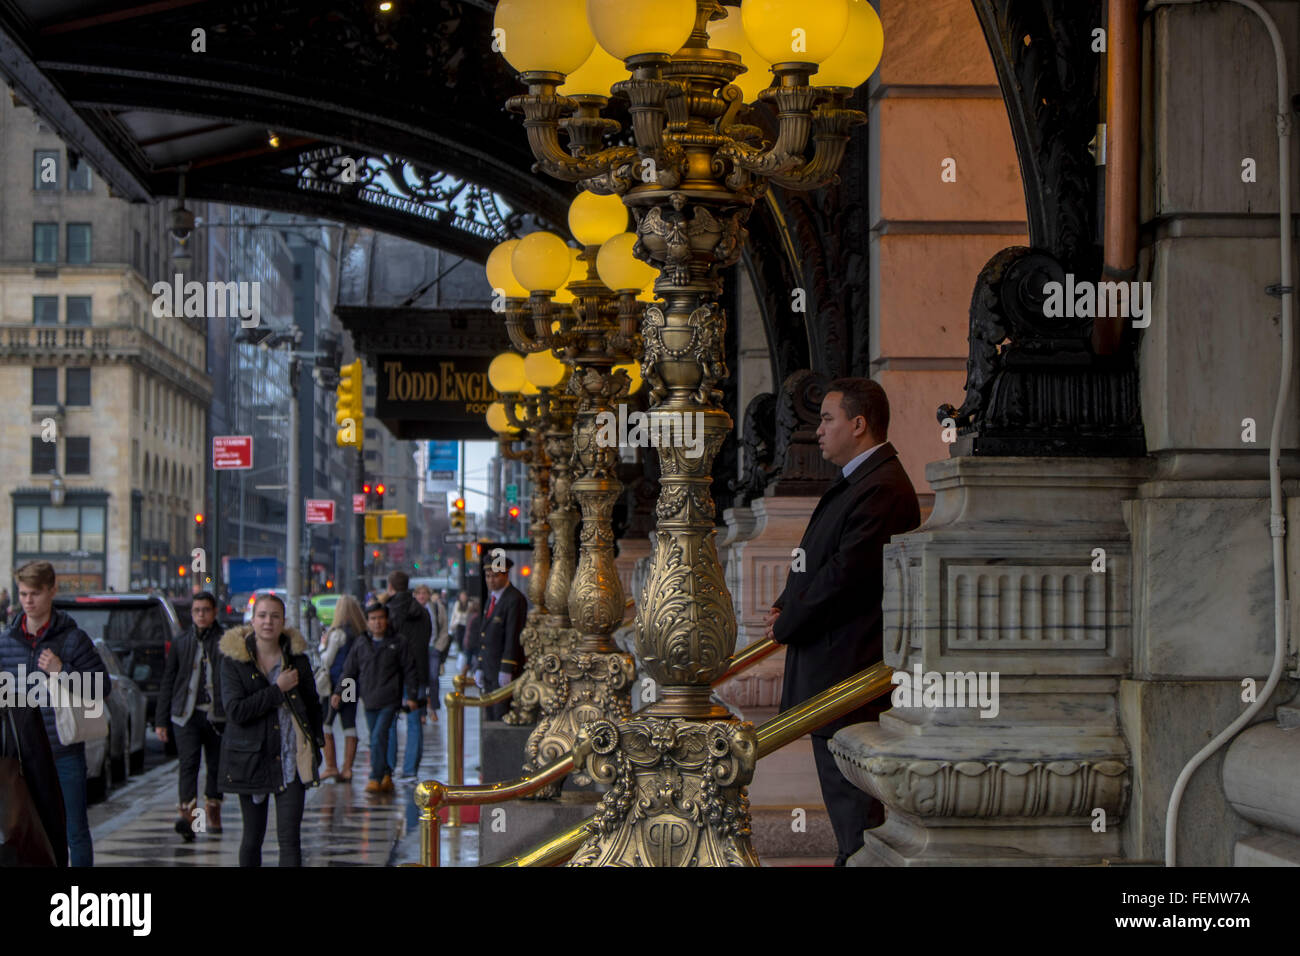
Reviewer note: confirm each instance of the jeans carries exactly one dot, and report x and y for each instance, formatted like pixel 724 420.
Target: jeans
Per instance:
pixel 288 825
pixel 414 740
pixel 72 781
pixel 383 751
pixel 198 738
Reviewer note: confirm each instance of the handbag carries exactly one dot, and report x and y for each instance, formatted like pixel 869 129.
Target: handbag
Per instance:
pixel 71 720
pixel 23 840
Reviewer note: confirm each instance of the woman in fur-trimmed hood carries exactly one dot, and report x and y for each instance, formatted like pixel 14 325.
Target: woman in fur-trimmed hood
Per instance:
pixel 273 735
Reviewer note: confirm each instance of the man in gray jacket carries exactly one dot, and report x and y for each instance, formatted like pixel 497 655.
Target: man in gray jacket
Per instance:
pixel 189 705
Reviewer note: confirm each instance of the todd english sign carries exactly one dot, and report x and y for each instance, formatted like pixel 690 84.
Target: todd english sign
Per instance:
pixel 447 397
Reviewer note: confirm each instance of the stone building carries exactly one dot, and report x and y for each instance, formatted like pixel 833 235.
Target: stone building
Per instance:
pixel 107 398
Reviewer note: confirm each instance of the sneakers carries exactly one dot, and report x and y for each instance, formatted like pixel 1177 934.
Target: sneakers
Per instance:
pixel 386 785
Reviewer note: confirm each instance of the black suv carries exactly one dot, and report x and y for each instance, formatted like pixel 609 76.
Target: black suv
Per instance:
pixel 138 628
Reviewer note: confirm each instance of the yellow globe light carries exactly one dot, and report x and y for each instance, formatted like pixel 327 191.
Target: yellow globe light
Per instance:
pixel 543 369
pixel 728 34
pixel 634 372
pixel 618 268
pixel 782 31
pixel 858 55
pixel 499 272
pixel 596 76
pixel 541 262
pixel 577 271
pixel 543 35
pixel 593 219
pixel 506 372
pixel 647 26
pixel 497 421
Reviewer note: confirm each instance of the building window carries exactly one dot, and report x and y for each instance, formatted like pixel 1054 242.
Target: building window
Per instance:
pixel 78 176
pixel 44 460
pixel 45 386
pixel 78 307
pixel 45 310
pixel 27 526
pixel 79 243
pixel 78 387
pixel 92 529
pixel 59 529
pixel 77 457
pixel 45 242
pixel 45 170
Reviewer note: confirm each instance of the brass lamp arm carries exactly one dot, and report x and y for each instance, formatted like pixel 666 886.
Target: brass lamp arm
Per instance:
pixel 831 127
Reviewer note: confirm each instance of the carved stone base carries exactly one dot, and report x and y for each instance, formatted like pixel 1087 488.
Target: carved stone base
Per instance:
pixel 576 688
pixel 1015 597
pixel 678 792
pixel 547 636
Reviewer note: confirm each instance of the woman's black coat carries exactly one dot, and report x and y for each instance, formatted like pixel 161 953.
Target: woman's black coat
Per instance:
pixel 250 745
pixel 39 772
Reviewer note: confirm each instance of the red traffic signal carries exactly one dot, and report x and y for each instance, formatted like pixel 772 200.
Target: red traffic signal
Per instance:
pixel 365 489
pixel 198 519
pixel 459 504
pixel 379 490
pixel 514 512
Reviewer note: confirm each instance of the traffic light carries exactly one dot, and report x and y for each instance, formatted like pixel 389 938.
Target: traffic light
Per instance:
pixel 514 512
pixel 198 519
pixel 458 515
pixel 379 491
pixel 349 411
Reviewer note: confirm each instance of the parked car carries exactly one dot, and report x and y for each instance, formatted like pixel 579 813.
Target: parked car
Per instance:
pixel 113 758
pixel 138 628
pixel 231 613
pixel 325 605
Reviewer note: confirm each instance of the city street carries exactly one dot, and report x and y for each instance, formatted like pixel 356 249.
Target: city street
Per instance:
pixel 342 825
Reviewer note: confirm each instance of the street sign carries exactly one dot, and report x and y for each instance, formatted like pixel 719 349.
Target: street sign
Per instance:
pixel 512 494
pixel 232 452
pixel 320 511
pixel 358 504
pixel 458 538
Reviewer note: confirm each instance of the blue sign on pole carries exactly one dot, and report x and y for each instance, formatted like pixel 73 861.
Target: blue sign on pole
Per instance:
pixel 444 458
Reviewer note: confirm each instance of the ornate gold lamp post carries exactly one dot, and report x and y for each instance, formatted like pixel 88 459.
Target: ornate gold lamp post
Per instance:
pixel 679 769
pixel 583 305
pixel 534 402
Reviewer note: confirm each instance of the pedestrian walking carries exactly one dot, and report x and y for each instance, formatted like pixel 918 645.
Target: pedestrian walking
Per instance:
pixel 349 625
pixel 49 641
pixel 408 618
pixel 438 643
pixel 189 707
pixel 459 615
pixel 470 639
pixel 273 732
pixel 384 675
pixel 24 841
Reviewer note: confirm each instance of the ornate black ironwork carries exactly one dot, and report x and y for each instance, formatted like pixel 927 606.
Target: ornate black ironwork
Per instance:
pixel 799 468
pixel 1033 384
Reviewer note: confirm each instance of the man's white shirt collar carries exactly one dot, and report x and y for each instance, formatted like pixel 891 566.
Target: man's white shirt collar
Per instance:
pixel 852 465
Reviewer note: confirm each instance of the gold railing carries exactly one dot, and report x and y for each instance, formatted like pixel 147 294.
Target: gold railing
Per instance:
pixel 431 796
pixel 790 725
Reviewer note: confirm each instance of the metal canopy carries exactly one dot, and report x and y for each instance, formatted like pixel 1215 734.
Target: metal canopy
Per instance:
pixel 415 96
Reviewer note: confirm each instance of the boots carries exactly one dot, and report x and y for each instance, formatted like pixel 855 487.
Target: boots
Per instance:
pixel 213 808
pixel 349 754
pixel 183 825
pixel 331 769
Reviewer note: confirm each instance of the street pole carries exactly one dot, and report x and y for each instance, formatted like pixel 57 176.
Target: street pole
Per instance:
pixel 464 560
pixel 293 526
pixel 360 550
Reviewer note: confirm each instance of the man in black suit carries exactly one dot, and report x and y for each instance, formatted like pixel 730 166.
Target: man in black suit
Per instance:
pixel 829 614
pixel 500 652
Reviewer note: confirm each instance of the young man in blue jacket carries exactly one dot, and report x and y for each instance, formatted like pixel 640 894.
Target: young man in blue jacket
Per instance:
pixel 44 640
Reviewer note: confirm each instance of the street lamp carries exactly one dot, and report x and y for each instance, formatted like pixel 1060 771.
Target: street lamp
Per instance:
pixel 690 176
